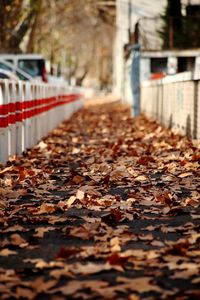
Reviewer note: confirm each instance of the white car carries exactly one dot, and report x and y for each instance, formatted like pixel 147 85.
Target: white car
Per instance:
pixel 11 71
pixel 31 64
pixel 6 74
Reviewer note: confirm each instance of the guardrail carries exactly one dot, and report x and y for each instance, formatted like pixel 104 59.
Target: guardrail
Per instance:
pixel 175 102
pixel 28 111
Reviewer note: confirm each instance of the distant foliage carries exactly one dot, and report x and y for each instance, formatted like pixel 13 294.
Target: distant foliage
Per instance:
pixel 191 31
pixel 180 31
pixel 171 32
pixel 16 19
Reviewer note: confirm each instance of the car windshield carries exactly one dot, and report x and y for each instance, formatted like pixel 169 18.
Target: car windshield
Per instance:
pixel 5 66
pixel 21 76
pixel 32 66
pixel 3 76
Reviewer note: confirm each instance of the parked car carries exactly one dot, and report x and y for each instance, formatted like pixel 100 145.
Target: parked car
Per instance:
pixel 21 75
pixel 6 74
pixel 31 64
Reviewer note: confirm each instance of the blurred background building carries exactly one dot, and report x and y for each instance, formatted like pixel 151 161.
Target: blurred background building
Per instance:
pixel 168 35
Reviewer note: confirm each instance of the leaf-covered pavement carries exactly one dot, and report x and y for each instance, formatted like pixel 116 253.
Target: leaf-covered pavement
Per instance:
pixel 105 207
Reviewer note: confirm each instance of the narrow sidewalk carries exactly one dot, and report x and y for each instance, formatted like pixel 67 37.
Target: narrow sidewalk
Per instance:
pixel 105 207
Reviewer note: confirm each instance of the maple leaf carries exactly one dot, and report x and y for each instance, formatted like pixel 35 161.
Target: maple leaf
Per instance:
pixel 141 284
pixel 39 285
pixel 46 208
pixel 164 197
pixel 85 231
pixel 114 216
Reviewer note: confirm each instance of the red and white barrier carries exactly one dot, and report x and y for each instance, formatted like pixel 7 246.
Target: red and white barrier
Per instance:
pixel 28 111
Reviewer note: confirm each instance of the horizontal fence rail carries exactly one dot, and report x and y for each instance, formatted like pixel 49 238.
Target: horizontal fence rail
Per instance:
pixel 175 102
pixel 28 111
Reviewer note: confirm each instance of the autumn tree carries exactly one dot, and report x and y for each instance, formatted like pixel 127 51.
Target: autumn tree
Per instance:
pixel 191 27
pixel 16 18
pixel 180 30
pixel 171 32
pixel 77 34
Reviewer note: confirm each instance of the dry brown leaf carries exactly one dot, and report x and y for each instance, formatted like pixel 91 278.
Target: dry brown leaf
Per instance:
pixel 7 252
pixel 17 240
pixel 133 297
pixel 25 293
pixel 193 238
pixel 196 280
pixel 80 194
pixel 70 201
pixel 115 244
pixel 16 228
pixel 7 169
pixel 141 284
pixel 157 243
pixel 58 273
pixel 74 286
pixel 90 268
pixel 164 197
pixel 181 266
pixel 146 202
pixel 145 160
pixel 77 179
pixel 185 274
pixel 40 231
pixel 45 208
pixel 186 174
pixel 65 253
pixel 52 264
pixel 3 204
pixel 41 286
pixel 76 150
pixel 141 178
pixel 192 202
pixel 195 217
pixel 116 259
pixel 85 231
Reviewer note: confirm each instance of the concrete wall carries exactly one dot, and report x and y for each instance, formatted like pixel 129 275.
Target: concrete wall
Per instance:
pixel 175 102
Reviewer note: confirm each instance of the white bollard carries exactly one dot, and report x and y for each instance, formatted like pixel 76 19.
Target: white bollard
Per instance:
pixel 19 118
pixel 3 124
pixel 27 120
pixel 12 117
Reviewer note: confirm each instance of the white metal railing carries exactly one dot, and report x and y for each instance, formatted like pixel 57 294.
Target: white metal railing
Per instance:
pixel 175 102
pixel 28 111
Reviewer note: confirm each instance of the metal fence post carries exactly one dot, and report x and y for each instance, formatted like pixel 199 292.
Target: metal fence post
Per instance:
pixel 135 81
